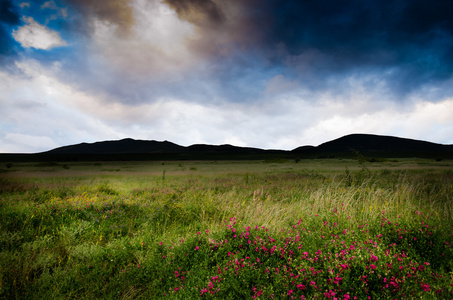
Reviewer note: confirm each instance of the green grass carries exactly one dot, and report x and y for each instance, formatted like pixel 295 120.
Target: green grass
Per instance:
pixel 227 230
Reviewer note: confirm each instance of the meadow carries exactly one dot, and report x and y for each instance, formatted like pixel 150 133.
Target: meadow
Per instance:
pixel 277 229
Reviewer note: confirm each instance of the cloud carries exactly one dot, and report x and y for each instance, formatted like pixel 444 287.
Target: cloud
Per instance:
pixel 419 122
pixel 50 5
pixel 34 103
pixel 199 12
pixel 60 12
pixel 24 4
pixel 271 74
pixel 116 12
pixel 280 85
pixel 235 47
pixel 15 141
pixel 34 35
pixel 38 104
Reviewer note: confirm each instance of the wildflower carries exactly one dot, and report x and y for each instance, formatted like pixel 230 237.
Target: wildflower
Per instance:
pixel 373 266
pixel 425 287
pixel 300 286
pixel 196 248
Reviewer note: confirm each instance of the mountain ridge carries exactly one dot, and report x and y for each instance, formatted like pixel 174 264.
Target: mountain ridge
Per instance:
pixel 370 143
pixel 357 142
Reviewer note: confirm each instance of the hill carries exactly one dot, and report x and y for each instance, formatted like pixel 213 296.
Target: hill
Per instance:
pixel 378 145
pixel 347 146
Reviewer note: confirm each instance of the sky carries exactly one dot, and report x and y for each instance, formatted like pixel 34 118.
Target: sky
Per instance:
pixel 258 73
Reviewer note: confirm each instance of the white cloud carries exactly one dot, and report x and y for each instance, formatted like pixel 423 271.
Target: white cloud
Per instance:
pixel 420 120
pixel 31 142
pixel 37 104
pixel 155 47
pixel 34 35
pixel 39 111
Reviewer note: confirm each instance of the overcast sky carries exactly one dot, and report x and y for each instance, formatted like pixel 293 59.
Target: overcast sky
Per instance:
pixel 260 73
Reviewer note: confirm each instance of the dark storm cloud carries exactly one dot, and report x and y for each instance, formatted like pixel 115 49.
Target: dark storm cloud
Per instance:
pixel 9 17
pixel 117 12
pixel 405 43
pixel 350 27
pixel 413 39
pixel 199 12
pixel 243 44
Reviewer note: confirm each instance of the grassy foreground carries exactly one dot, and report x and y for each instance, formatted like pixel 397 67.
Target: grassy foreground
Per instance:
pixel 322 229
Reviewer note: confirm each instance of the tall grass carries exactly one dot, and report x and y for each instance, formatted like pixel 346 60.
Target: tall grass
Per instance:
pixel 233 234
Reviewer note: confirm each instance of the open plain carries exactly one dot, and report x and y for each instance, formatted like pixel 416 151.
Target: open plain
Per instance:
pixel 273 229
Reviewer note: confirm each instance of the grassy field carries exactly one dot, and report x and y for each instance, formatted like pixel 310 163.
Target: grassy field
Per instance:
pixel 316 229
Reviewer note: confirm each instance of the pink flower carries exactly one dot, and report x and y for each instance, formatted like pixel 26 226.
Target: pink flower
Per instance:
pixel 196 248
pixel 300 286
pixel 373 266
pixel 425 287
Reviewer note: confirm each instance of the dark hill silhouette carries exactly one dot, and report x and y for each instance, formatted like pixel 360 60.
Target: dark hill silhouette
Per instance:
pixel 369 143
pixel 124 146
pixel 347 146
pixel 131 146
pixel 363 143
